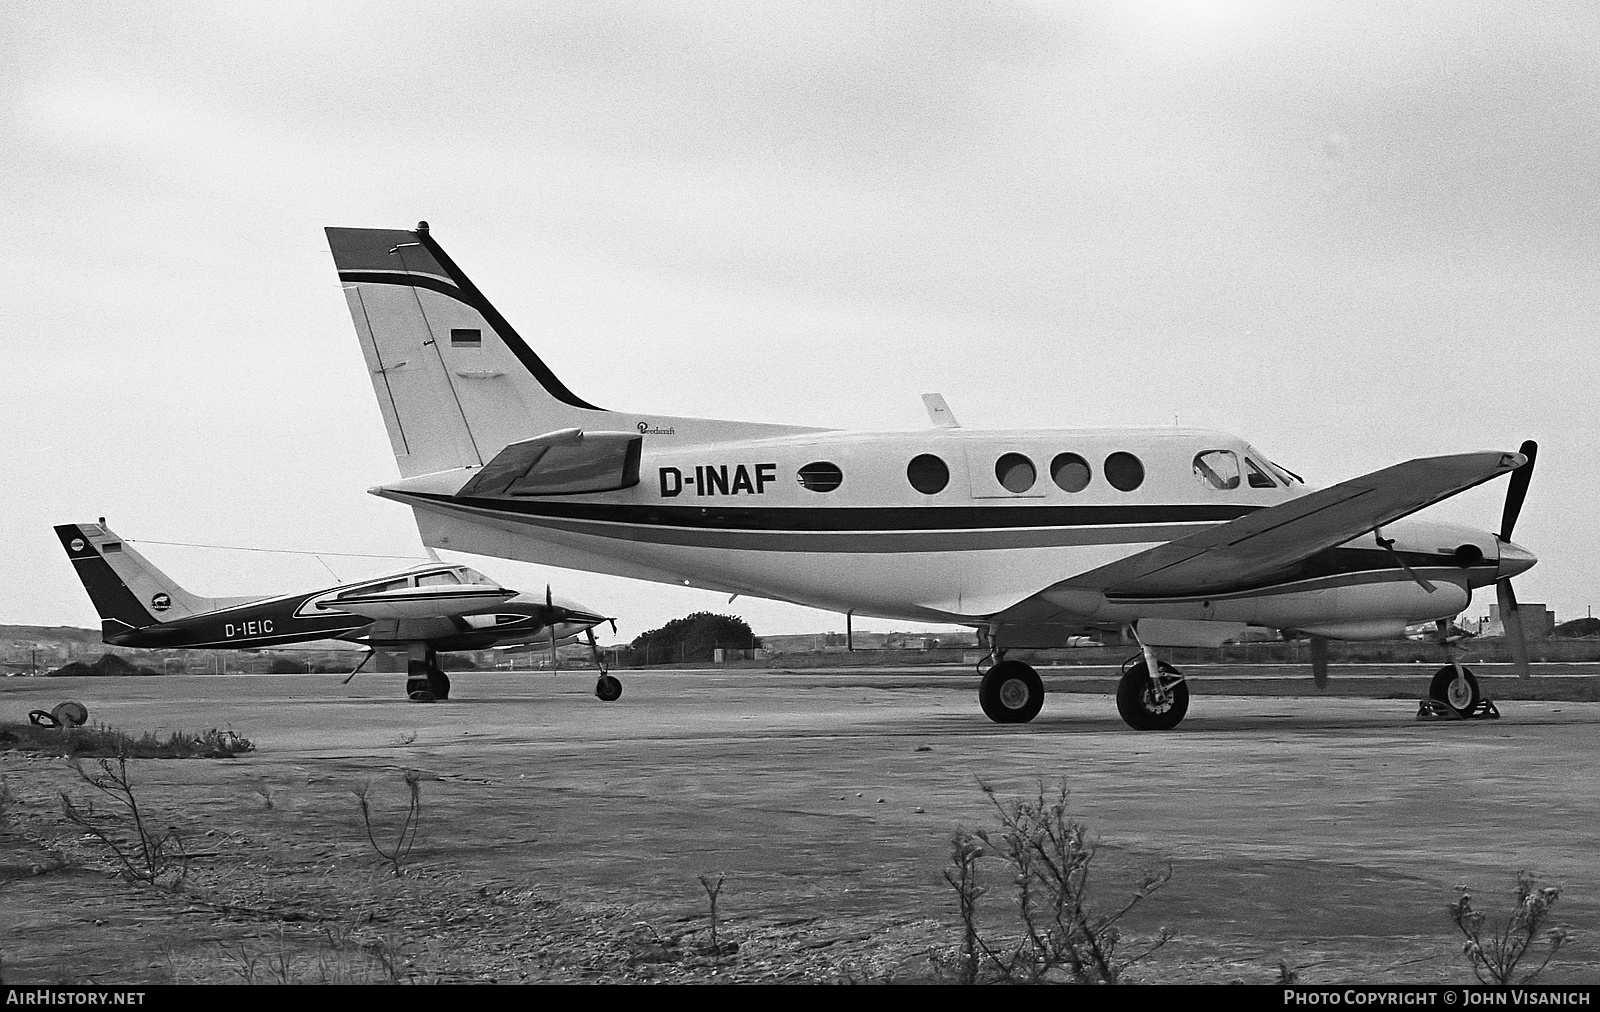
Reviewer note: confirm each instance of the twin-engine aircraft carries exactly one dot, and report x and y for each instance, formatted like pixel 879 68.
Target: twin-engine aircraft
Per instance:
pixel 423 611
pixel 1177 537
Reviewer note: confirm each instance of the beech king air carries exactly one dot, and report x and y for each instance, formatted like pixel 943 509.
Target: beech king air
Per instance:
pixel 1179 537
pixel 425 610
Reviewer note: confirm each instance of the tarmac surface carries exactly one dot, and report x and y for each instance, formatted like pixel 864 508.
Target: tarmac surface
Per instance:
pixel 1325 833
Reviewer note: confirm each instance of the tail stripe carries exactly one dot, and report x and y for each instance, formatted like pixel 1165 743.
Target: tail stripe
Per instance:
pixel 466 292
pixel 513 340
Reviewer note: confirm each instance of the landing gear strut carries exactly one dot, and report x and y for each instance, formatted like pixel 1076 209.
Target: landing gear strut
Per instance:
pixel 608 688
pixel 1151 703
pixel 426 681
pixel 1454 693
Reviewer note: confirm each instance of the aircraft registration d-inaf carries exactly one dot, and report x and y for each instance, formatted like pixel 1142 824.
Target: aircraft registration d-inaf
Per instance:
pixel 1183 537
pixel 424 610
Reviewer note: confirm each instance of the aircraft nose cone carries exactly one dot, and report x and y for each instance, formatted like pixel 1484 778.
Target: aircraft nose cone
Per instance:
pixel 1515 559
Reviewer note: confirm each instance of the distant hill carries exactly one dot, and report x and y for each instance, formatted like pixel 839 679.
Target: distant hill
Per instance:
pixel 108 664
pixel 1579 628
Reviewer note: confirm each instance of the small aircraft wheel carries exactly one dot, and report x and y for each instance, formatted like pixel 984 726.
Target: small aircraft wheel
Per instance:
pixel 1011 693
pixel 1139 705
pixel 439 684
pixel 608 688
pixel 1460 695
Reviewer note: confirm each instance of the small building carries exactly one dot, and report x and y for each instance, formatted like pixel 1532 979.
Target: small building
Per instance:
pixel 1538 621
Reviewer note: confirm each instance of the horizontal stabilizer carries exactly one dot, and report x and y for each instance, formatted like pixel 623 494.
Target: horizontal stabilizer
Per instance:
pixel 564 462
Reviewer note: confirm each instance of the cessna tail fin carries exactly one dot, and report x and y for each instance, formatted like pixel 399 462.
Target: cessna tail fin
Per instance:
pixel 127 589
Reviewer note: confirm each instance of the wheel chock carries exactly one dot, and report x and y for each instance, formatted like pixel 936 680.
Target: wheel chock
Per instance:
pixel 1434 709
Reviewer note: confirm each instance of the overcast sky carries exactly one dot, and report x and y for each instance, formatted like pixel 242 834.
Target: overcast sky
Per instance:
pixel 1351 233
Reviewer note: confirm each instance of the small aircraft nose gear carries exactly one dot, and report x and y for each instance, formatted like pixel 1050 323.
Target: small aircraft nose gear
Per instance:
pixel 607 687
pixel 426 681
pixel 1151 704
pixel 1454 693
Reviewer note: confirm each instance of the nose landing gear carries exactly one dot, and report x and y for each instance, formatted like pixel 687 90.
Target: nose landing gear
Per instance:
pixel 1453 694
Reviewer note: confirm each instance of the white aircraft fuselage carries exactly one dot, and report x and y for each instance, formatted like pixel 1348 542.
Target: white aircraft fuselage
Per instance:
pixel 1183 536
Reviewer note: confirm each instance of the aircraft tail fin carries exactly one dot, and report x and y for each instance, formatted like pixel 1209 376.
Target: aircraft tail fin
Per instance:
pixel 454 381
pixel 127 589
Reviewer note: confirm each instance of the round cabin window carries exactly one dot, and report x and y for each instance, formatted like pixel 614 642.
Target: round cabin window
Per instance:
pixel 1070 472
pixel 1015 472
pixel 821 476
pixel 1124 471
pixel 927 474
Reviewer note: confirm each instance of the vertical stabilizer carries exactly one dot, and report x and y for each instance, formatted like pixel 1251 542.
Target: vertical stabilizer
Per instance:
pixel 127 589
pixel 454 382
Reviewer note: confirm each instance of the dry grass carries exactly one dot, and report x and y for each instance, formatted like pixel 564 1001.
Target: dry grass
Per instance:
pixel 101 741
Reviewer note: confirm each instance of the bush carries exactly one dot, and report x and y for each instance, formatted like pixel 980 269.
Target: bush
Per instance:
pixel 1496 958
pixel 1062 938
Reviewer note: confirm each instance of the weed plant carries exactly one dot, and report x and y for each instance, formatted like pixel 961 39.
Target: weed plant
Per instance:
pixel 143 853
pixel 1062 937
pixel 1497 957
pixel 397 852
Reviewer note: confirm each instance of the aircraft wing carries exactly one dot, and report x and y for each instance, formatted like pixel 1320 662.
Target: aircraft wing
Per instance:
pixel 1253 548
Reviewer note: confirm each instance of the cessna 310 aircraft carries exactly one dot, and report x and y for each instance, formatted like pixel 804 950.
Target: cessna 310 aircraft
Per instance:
pixel 424 610
pixel 1179 537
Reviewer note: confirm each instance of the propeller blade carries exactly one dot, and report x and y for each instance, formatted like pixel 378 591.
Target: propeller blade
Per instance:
pixel 1511 621
pixel 552 649
pixel 1319 661
pixel 1518 490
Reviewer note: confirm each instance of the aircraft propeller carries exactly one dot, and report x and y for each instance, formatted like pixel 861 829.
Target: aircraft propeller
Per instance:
pixel 1509 618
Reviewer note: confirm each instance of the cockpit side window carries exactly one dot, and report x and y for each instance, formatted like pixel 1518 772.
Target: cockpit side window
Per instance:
pixel 1217 469
pixel 1258 477
pixel 438 580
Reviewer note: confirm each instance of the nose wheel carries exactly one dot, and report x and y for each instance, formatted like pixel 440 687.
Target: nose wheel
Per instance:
pixel 608 688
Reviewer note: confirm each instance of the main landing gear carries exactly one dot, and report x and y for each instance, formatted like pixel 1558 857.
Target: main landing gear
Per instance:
pixel 1152 704
pixel 1011 692
pixel 426 681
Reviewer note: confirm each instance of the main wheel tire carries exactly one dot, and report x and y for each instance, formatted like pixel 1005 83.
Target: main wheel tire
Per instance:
pixel 1137 702
pixel 1011 693
pixel 1446 689
pixel 439 684
pixel 608 688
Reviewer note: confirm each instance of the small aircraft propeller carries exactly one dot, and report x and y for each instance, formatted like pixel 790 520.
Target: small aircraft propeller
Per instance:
pixel 1510 620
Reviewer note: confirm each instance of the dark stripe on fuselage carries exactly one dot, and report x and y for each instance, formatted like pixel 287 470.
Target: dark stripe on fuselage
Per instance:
pixel 854 519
